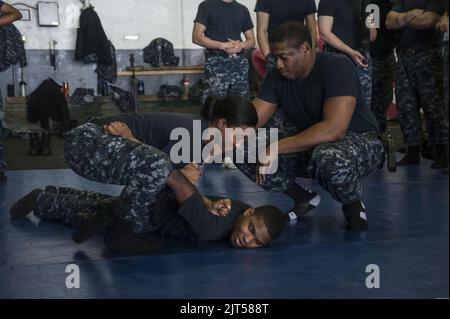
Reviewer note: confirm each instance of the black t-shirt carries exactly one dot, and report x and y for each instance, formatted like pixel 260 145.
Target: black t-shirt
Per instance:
pixel 302 101
pixel 386 39
pixel 285 10
pixel 191 219
pixel 224 20
pixel 347 16
pixel 155 128
pixel 413 38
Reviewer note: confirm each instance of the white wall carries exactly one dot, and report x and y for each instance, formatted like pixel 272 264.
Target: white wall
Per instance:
pixel 170 19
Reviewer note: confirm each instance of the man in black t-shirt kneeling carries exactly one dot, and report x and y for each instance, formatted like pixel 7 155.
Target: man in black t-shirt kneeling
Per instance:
pixel 331 135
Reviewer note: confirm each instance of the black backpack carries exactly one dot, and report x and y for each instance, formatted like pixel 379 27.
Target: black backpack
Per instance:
pixel 170 92
pixel 160 52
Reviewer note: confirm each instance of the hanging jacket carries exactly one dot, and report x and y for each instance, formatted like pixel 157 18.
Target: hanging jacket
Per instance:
pixel 92 44
pixel 12 49
pixel 160 52
pixel 46 102
pixel 108 73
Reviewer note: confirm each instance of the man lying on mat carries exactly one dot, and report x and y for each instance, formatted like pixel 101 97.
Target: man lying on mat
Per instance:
pixel 179 210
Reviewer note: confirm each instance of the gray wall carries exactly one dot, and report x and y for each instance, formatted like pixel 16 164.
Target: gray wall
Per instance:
pixel 147 19
pixel 83 75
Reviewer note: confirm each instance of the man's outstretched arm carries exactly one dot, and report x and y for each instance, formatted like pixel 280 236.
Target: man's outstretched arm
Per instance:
pixel 183 189
pixel 9 14
pixel 180 185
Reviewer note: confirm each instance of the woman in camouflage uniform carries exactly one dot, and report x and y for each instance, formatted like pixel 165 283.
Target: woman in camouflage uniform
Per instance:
pixel 132 150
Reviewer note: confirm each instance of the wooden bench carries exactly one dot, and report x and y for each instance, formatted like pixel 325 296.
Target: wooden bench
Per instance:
pixel 164 70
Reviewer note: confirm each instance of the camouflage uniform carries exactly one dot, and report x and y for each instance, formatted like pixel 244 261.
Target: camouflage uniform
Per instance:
pixel 382 88
pixel 365 77
pixel 71 206
pixel 226 76
pixel 109 159
pixel 337 167
pixel 445 58
pixel 419 78
pixel 2 159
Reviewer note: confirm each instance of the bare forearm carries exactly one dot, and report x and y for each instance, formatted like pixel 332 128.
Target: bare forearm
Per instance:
pixel 415 19
pixel 442 25
pixel 420 20
pixel 313 31
pixel 208 203
pixel 8 18
pixel 315 135
pixel 135 140
pixel 263 42
pixel 312 27
pixel 331 39
pixel 249 44
pixel 373 34
pixel 9 14
pixel 180 185
pixel 394 21
pixel 207 43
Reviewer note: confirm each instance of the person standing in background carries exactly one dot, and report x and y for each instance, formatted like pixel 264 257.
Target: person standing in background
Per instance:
pixel 344 28
pixel 218 27
pixel 420 78
pixel 383 61
pixel 442 26
pixel 8 14
pixel 271 13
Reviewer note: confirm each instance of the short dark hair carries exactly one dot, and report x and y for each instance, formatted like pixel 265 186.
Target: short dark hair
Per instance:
pixel 293 33
pixel 273 218
pixel 236 110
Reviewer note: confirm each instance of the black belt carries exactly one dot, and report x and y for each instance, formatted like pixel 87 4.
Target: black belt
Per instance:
pixel 220 53
pixel 413 51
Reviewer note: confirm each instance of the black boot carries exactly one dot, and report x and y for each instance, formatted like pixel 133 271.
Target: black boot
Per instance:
pixel 120 238
pixel 44 145
pixel 428 151
pixel 110 214
pixel 34 144
pixel 3 177
pixel 305 200
pixel 355 215
pixel 25 205
pixel 412 156
pixel 441 159
pixel 100 223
